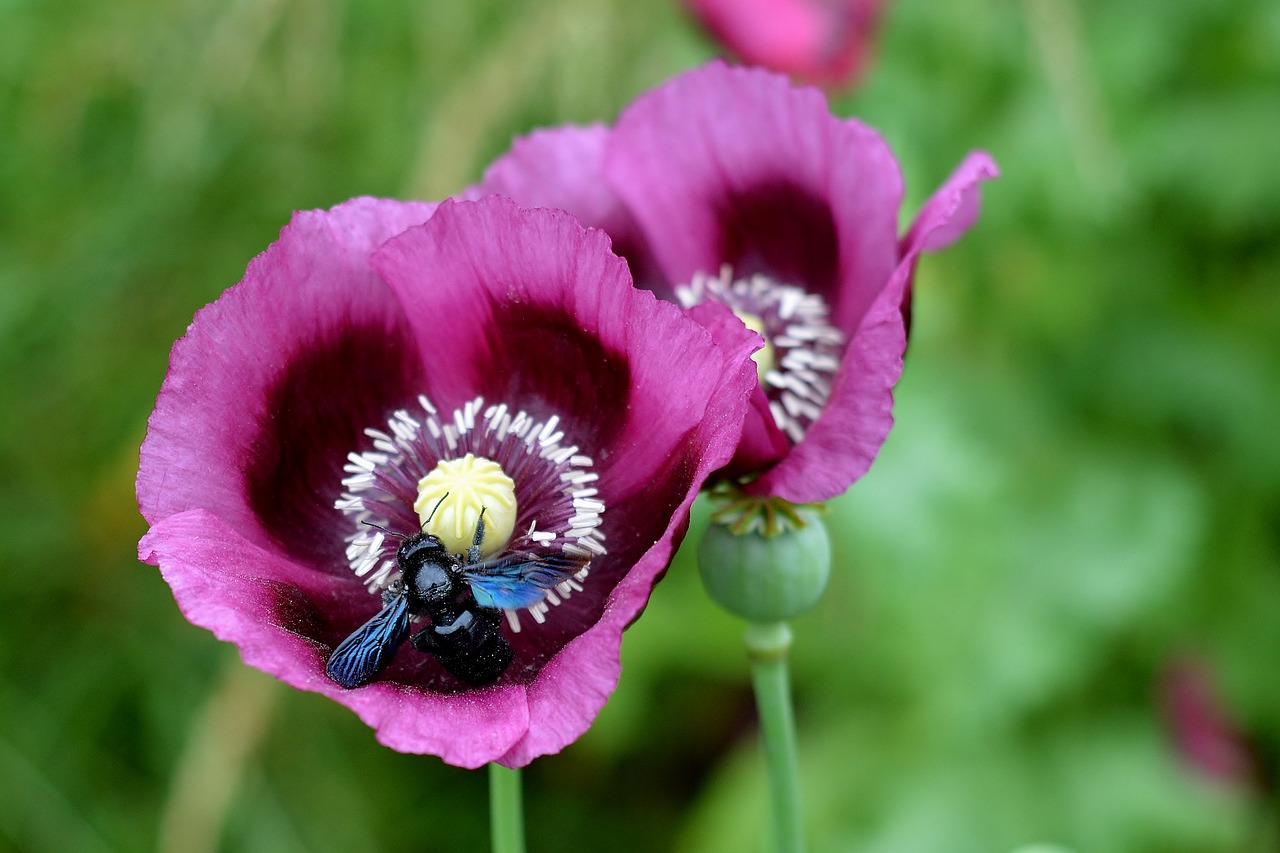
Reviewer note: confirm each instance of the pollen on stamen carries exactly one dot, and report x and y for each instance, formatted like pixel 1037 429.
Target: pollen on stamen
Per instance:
pixel 558 507
pixel 806 349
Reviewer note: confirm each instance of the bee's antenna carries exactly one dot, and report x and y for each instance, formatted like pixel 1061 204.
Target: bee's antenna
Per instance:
pixel 395 533
pixel 433 511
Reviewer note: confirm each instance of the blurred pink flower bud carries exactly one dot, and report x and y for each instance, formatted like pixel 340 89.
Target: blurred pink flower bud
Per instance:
pixel 819 41
pixel 1200 725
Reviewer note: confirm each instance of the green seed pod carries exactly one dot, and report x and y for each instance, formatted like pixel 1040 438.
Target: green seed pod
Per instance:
pixel 766 578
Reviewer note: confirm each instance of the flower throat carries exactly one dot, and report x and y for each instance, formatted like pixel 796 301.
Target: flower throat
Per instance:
pixel 802 349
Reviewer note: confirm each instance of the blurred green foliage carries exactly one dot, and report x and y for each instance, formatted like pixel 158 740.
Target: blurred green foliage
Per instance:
pixel 1083 486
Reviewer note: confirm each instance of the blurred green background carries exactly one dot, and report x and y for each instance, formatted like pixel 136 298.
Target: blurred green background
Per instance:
pixel 1083 487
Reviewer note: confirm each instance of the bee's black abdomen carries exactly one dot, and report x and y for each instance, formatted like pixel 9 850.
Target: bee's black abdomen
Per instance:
pixel 483 664
pixel 471 647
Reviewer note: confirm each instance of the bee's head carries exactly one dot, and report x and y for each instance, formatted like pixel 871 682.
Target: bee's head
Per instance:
pixel 421 548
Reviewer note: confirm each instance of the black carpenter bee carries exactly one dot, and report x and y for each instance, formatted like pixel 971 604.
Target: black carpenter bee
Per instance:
pixel 462 595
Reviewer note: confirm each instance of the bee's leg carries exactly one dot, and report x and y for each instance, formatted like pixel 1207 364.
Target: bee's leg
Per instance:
pixel 394 590
pixel 473 553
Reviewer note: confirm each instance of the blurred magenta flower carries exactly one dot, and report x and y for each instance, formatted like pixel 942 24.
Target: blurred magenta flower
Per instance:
pixel 1201 726
pixel 819 41
pixel 731 187
pixel 371 339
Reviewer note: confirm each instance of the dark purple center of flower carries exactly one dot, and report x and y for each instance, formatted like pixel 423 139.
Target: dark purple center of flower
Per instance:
pixel 314 414
pixel 540 338
pixel 782 230
pixel 560 511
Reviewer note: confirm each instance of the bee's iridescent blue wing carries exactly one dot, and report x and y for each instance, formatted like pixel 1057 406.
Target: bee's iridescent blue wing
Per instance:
pixel 368 650
pixel 519 579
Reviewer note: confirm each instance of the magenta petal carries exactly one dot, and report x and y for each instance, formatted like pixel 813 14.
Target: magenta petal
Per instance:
pixel 278 376
pixel 563 168
pixel 506 303
pixel 762 443
pixel 573 686
pixel 953 208
pixel 730 165
pixel 948 213
pixel 282 616
pixel 252 596
pixel 841 445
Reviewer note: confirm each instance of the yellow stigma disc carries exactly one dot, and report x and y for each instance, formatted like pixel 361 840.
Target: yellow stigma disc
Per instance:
pixel 453 494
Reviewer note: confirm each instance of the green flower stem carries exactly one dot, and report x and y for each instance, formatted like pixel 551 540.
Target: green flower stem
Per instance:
pixel 768 645
pixel 506 809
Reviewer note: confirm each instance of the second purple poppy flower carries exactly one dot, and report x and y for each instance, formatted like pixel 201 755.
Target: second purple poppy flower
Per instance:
pixel 730 187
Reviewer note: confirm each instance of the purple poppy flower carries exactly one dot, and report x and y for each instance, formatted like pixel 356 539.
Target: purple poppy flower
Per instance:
pixel 383 342
pixel 731 186
pixel 820 41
